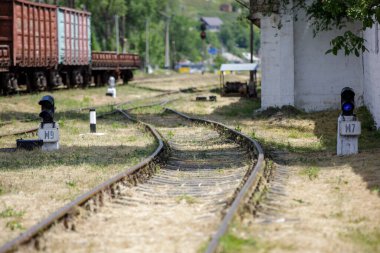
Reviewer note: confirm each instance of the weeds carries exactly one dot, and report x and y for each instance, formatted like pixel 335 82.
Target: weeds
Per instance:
pixel 375 189
pixel 13 225
pixel 232 243
pixel 368 241
pixel 10 212
pixel 170 134
pixel 311 172
pixel 186 198
pixel 71 184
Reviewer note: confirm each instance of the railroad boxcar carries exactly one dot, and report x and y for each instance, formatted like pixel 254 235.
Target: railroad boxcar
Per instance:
pixel 128 62
pixel 28 38
pixel 74 46
pixel 43 46
pixel 105 64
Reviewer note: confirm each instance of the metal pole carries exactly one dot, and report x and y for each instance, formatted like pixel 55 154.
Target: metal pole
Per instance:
pixel 147 45
pixel 117 33
pixel 167 45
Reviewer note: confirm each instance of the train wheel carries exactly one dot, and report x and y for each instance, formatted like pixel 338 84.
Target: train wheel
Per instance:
pixel 76 79
pixel 39 81
pixel 127 76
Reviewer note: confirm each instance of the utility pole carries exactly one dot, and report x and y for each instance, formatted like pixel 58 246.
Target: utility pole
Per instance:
pixel 147 45
pixel 252 83
pixel 167 45
pixel 117 33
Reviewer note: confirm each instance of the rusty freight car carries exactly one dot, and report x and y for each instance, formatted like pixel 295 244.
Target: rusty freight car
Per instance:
pixel 74 46
pixel 43 47
pixel 106 64
pixel 28 39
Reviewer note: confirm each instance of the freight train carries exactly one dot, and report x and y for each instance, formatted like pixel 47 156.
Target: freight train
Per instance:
pixel 44 46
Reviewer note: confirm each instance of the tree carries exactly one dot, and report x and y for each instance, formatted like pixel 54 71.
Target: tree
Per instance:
pixel 326 15
pixel 336 14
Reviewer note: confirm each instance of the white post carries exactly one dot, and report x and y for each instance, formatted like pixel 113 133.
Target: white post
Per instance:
pixel 49 134
pixel 92 120
pixel 349 129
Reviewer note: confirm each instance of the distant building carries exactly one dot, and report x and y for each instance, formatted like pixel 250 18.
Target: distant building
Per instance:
pixel 213 24
pixel 226 7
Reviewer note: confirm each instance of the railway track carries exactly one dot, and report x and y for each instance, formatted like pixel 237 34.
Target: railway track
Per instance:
pixel 209 172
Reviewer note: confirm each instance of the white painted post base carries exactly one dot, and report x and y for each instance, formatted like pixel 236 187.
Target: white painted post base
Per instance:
pixel 349 129
pixel 49 133
pixel 111 92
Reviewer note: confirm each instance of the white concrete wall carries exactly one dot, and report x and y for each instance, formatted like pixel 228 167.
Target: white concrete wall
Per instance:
pixel 296 70
pixel 371 61
pixel 319 78
pixel 277 62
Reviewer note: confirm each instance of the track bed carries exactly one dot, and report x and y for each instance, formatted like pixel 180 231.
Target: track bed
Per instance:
pixel 177 209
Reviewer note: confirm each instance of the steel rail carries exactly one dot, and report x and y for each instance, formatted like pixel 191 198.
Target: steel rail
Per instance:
pixel 79 201
pixel 255 170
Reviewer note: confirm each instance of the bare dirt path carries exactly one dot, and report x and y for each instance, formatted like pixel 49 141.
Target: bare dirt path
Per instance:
pixel 325 207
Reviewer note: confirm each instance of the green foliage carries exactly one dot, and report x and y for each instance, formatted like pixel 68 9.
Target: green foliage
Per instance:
pixel 337 14
pixel 236 36
pixel 232 243
pixel 10 212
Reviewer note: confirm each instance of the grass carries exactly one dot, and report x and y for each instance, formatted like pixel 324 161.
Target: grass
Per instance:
pixel 311 172
pixel 365 240
pixel 14 225
pixel 232 243
pixel 375 189
pixel 10 212
pixel 187 199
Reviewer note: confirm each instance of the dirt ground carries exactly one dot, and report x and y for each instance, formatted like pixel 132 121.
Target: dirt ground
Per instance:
pixel 318 202
pixel 34 184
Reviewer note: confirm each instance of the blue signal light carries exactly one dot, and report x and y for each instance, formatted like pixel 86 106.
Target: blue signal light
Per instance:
pixel 347 107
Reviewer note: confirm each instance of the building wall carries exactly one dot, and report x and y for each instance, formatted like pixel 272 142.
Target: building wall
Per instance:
pixel 277 62
pixel 296 71
pixel 371 68
pixel 320 77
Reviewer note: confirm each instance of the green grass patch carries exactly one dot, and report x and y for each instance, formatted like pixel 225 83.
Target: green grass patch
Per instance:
pixel 186 198
pixel 14 225
pixel 242 109
pixel 367 241
pixel 311 172
pixel 10 212
pixel 232 243
pixel 375 189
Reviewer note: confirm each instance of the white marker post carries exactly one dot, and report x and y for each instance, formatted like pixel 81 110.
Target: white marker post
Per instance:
pixel 349 130
pixel 111 91
pixel 49 134
pixel 92 120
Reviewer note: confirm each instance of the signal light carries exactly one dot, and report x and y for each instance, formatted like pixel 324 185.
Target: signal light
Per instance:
pixel 203 35
pixel 47 109
pixel 203 27
pixel 347 101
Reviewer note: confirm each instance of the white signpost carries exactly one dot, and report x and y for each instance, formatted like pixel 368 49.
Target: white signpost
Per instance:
pixel 111 91
pixel 49 134
pixel 349 129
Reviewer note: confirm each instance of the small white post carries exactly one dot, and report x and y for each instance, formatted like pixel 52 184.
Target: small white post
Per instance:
pixel 92 120
pixel 349 130
pixel 111 91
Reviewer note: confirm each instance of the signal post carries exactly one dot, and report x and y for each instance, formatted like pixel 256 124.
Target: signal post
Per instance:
pixel 349 128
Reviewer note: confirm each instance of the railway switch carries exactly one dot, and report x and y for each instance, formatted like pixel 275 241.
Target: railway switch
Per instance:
pixel 48 131
pixel 111 91
pixel 349 128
